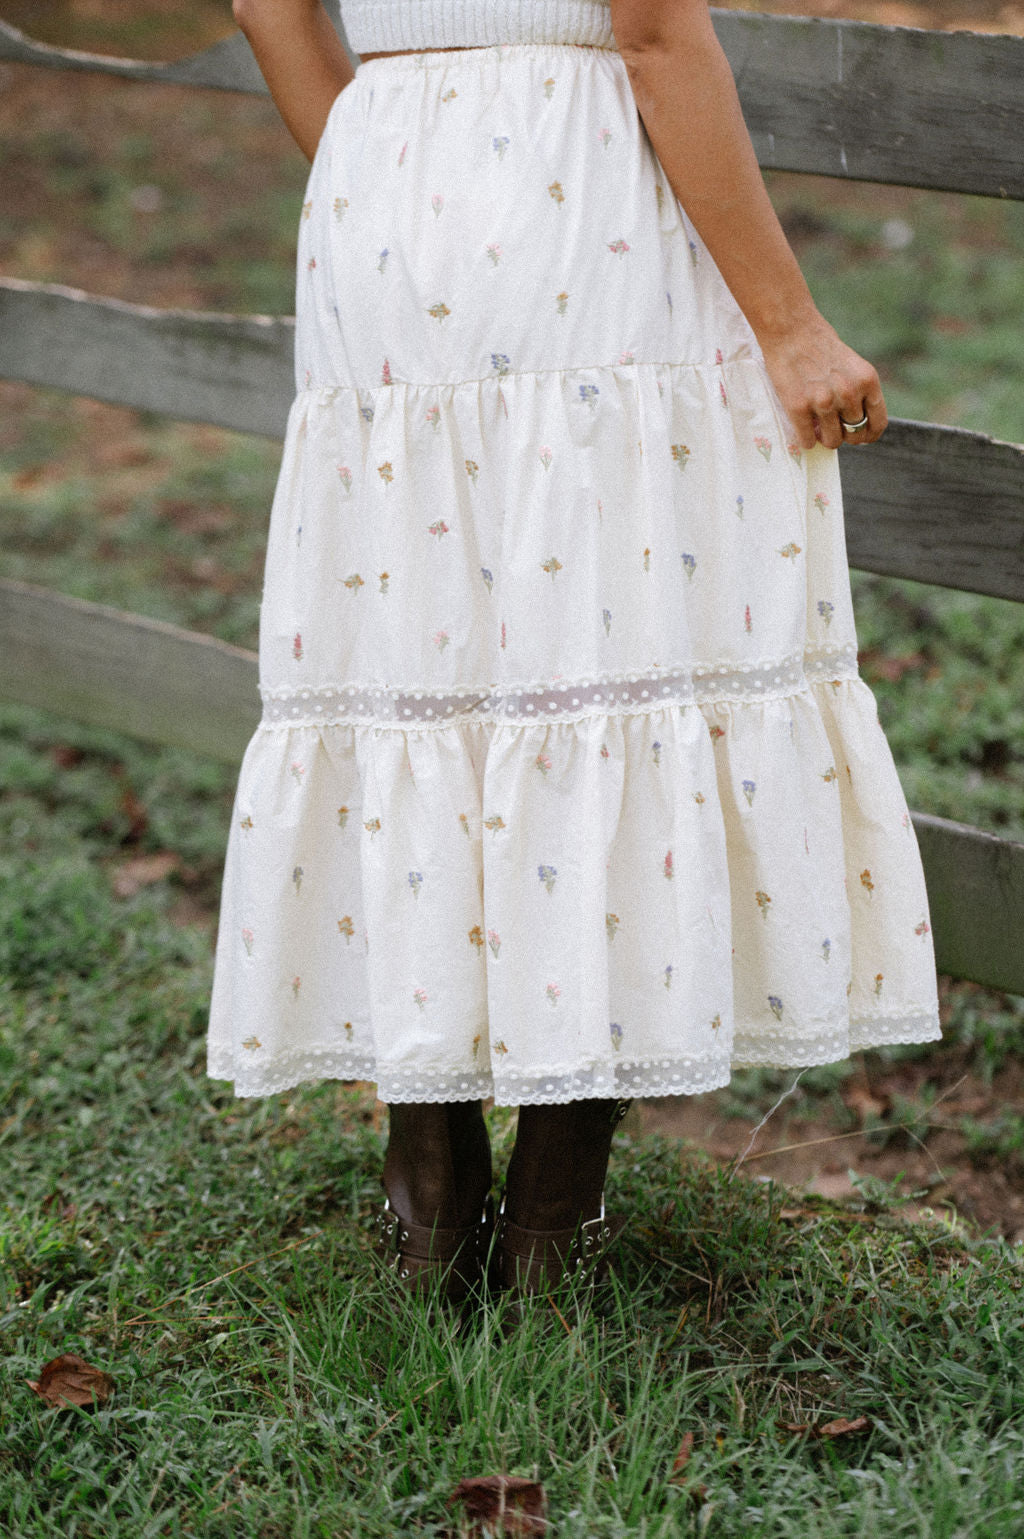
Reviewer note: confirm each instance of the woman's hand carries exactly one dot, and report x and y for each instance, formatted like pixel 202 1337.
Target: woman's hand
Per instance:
pixel 686 96
pixel 822 383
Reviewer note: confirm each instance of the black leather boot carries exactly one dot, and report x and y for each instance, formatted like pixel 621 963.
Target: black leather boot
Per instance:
pixel 437 1175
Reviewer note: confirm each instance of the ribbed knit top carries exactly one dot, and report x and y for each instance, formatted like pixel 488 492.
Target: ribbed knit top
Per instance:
pixel 389 26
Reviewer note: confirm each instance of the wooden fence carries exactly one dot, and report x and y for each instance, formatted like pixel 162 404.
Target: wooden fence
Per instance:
pixel 837 98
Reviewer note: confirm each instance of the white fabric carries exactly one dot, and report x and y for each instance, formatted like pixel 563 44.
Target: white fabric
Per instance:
pixel 566 783
pixel 384 26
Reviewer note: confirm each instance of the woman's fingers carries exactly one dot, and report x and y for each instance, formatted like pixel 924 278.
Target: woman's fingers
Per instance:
pixel 823 384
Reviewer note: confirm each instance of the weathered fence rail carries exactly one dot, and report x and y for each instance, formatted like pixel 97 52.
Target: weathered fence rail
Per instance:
pixel 840 98
pixel 837 98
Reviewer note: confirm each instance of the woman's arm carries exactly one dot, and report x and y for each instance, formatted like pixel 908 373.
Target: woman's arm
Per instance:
pixel 302 60
pixel 687 99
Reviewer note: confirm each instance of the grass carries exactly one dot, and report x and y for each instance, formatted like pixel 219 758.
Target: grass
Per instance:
pixel 213 1255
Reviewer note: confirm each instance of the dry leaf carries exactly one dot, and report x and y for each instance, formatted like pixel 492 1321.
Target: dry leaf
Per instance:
pixel 841 1427
pixel 502 1504
pixel 698 1491
pixel 143 871
pixel 68 1380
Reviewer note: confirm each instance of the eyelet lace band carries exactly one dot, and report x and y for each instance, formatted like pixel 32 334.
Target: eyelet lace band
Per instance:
pixel 561 700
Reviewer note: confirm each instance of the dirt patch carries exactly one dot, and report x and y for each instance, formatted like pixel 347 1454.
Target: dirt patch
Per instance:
pixel 901 1123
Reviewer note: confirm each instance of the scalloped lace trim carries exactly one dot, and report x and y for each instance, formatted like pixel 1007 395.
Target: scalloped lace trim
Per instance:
pixel 631 693
pixel 650 1077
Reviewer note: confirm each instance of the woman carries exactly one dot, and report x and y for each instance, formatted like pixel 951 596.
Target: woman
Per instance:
pixel 567 788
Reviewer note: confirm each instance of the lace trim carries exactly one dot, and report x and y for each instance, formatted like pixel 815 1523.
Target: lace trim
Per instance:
pixel 632 694
pixel 654 1077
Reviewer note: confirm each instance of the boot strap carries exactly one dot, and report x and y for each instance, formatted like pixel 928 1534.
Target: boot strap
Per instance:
pixel 531 1259
pixel 413 1248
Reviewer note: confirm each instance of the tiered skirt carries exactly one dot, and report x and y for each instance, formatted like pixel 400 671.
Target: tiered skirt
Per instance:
pixel 566 783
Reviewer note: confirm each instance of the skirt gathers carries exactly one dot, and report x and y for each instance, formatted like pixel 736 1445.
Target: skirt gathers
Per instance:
pixel 566 784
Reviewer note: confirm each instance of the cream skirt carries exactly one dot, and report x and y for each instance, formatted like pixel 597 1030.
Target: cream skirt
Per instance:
pixel 566 784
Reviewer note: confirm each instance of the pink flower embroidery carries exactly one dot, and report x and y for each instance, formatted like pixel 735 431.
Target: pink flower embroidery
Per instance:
pixel 297 647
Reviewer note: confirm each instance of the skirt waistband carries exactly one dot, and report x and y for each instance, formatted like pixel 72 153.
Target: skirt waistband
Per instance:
pixel 452 57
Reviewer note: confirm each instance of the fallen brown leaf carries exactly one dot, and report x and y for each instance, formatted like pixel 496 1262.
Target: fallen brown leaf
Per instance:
pixel 502 1504
pixel 841 1427
pixel 143 871
pixel 68 1380
pixel 697 1490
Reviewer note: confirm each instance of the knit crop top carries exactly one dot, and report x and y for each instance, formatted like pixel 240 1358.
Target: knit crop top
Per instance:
pixel 391 26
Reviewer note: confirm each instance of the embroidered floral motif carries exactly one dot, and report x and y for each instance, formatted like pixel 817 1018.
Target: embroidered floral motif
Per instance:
pixel 438 527
pixel 922 927
pixel 495 822
pixel 346 927
pixel 562 302
pixel 829 775
pixel 247 940
pixel 500 363
pixel 668 866
pixel 739 507
pixel 385 373
pixel 339 206
pixel 821 502
pixel 554 993
pixel 615 1031
pixel 611 924
pixel 555 189
pixel 386 473
pixel 589 395
pixel 866 882
pixel 500 144
pixel 464 825
pixel 689 563
pixel 826 610
pixel 372 826
pixel 747 622
pixel 879 979
pixel 494 941
pixel 681 455
pixel 619 247
pixel 715 1023
pixel 763 447
pixel 476 937
pixel 296 986
pixel 606 618
pixel 297 647
pixel 437 203
pixel 549 86
pixel 826 950
pixel 383 581
pixel 415 882
pixel 439 311
pixel 342 816
pixel 605 136
pixel 775 1006
pixel 545 457
pixel 419 997
pixel 749 787
pixel 345 476
pixel 548 876
pixel 763 901
pixel 297 876
pixel 353 582
pixel 543 762
pixel 792 550
pixel 472 470
pixel 669 970
pixel 433 415
pixel 251 1044
pixel 246 823
pixel 656 752
pixel 494 252
pixel 441 640
pixel 488 577
pixel 552 565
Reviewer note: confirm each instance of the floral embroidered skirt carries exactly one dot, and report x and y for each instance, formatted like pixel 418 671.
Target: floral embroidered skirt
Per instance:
pixel 566 784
